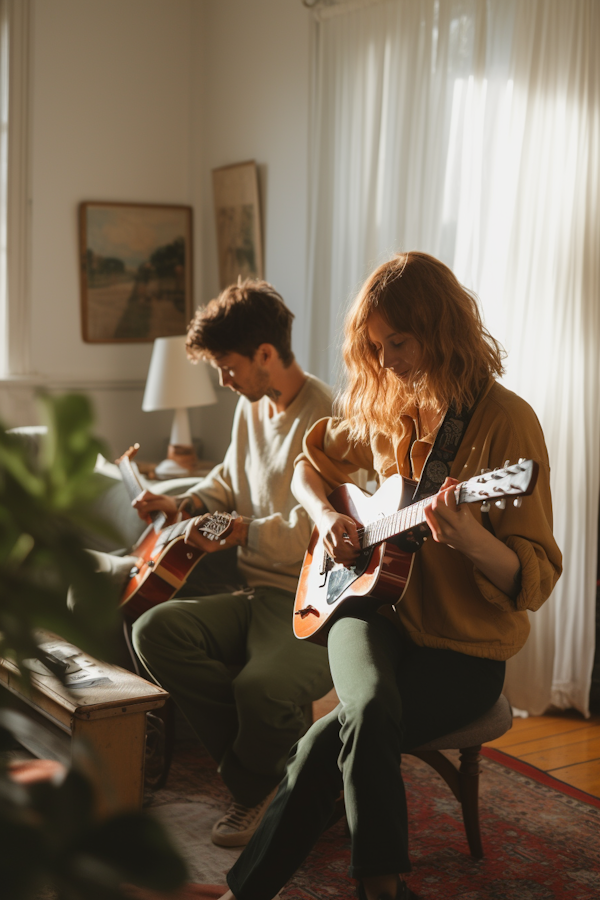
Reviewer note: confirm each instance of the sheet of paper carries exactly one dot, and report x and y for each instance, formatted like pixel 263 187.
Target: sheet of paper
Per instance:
pixel 81 671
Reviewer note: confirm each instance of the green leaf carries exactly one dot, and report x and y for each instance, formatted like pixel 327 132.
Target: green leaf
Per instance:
pixel 47 831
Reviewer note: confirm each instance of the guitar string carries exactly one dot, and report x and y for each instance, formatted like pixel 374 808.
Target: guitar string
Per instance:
pixel 410 516
pixel 396 523
pixel 406 518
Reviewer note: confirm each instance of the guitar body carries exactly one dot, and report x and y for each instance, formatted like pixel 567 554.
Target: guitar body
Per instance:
pixel 382 572
pixel 159 572
pixel 391 527
pixel 163 559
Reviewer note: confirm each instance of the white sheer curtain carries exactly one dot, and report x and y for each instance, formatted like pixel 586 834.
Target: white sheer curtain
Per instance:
pixel 14 187
pixel 471 130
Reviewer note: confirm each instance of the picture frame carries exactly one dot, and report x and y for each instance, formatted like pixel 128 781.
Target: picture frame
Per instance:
pixel 238 222
pixel 135 271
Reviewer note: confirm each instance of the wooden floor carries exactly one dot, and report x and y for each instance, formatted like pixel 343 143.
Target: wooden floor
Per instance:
pixel 565 745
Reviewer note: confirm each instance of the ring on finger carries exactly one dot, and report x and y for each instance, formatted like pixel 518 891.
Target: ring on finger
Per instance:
pixel 345 534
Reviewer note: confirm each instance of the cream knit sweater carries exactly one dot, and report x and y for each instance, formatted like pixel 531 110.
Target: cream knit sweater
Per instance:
pixel 254 479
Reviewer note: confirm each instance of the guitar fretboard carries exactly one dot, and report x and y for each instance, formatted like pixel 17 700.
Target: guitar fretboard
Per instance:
pixel 402 520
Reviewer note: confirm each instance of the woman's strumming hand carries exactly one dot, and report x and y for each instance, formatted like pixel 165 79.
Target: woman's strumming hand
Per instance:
pixel 340 536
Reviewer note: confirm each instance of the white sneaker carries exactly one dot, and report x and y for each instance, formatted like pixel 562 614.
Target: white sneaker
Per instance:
pixel 239 823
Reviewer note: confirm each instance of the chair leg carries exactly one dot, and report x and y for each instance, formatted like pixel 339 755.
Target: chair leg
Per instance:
pixel 160 742
pixel 468 775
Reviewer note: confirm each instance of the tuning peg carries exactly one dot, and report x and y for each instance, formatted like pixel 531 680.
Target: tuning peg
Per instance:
pixel 517 501
pixel 506 463
pixel 522 459
pixel 485 471
pixel 485 507
pixel 501 504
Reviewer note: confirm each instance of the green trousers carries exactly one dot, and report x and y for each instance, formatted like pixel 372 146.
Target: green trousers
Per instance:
pixel 394 696
pixel 234 668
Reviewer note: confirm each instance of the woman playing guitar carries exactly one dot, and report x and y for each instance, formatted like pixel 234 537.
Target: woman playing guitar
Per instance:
pixel 419 361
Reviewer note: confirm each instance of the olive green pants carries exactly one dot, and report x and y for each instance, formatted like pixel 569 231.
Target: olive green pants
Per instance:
pixel 393 696
pixel 234 668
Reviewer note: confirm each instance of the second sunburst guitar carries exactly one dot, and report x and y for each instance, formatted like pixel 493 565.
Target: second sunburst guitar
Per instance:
pixel 391 528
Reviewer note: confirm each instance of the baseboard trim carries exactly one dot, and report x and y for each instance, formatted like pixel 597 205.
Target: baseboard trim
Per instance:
pixel 32 382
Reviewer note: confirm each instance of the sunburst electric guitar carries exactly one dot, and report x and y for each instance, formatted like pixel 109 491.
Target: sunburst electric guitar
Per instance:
pixel 164 561
pixel 390 530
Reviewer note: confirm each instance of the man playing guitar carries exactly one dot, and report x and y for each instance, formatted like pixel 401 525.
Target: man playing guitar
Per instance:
pixel 236 607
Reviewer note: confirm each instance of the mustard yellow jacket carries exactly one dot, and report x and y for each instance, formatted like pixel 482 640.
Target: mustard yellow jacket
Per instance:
pixel 449 603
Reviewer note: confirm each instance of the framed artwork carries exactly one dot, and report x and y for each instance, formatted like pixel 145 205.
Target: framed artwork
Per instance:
pixel 237 214
pixel 136 271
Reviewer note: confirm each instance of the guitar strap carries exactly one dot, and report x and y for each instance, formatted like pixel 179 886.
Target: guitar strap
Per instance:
pixel 443 453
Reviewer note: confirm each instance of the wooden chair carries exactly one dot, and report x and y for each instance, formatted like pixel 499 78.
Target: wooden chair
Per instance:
pixel 463 780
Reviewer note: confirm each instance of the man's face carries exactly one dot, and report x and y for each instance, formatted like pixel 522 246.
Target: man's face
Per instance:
pixel 243 375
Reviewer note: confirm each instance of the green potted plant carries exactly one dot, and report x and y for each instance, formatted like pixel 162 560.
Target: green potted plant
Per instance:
pixel 50 836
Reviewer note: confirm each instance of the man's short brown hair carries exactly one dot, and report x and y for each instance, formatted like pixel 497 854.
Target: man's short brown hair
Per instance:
pixel 243 316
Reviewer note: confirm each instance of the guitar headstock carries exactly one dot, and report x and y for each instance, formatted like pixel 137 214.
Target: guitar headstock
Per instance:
pixel 129 454
pixel 516 480
pixel 215 526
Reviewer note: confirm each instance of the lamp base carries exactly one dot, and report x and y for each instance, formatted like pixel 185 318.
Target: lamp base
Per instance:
pixel 181 460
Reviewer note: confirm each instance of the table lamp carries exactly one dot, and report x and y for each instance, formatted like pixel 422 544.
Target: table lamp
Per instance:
pixel 174 382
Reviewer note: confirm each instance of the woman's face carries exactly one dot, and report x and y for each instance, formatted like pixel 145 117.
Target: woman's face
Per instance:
pixel 401 353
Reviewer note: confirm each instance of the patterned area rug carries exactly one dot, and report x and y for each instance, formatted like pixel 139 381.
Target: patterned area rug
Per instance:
pixel 539 843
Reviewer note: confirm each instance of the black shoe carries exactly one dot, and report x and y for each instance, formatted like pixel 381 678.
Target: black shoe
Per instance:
pixel 403 892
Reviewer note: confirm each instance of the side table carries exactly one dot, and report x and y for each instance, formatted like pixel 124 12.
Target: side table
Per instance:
pixel 110 717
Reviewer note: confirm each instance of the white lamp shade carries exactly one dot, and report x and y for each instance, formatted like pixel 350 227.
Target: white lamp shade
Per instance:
pixel 173 381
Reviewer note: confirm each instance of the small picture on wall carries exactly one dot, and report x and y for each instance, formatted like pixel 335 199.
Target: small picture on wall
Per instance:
pixel 136 271
pixel 237 213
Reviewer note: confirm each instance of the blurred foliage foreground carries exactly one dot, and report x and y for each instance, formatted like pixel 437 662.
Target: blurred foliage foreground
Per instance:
pixel 50 837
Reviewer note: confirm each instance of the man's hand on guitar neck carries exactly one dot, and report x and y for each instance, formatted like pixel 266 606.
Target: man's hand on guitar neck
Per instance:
pixel 237 536
pixel 147 503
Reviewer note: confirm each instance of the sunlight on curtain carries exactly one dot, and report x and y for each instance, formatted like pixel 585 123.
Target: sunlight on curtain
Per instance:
pixel 472 131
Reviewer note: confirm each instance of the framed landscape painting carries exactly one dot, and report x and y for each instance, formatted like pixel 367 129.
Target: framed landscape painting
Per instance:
pixel 237 214
pixel 136 271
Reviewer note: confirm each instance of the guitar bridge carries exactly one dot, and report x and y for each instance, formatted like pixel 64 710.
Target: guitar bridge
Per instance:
pixel 326 567
pixel 307 611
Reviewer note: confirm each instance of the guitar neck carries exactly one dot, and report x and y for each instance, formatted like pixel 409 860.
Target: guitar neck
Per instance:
pixel 404 519
pixel 516 480
pixel 390 526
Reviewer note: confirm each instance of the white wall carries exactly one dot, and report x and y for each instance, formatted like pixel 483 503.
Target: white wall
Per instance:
pixel 138 100
pixel 256 88
pixel 252 80
pixel 110 120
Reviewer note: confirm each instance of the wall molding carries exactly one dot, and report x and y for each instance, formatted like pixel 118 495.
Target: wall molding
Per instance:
pixel 327 9
pixel 32 382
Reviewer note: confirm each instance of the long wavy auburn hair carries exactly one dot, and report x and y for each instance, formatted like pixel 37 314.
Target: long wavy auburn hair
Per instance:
pixel 416 295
